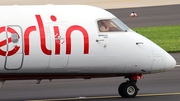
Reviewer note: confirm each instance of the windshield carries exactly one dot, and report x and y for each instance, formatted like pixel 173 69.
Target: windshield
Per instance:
pixel 111 25
pixel 120 24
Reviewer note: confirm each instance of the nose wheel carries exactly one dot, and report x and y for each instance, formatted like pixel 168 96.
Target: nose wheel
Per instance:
pixel 129 89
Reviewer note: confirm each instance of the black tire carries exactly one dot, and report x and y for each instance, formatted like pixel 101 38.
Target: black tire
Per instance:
pixel 128 90
pixel 120 89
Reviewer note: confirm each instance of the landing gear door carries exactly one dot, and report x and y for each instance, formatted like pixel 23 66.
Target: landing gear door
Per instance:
pixel 14 54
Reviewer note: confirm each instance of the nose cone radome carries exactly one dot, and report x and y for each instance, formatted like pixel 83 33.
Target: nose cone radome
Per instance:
pixel 170 62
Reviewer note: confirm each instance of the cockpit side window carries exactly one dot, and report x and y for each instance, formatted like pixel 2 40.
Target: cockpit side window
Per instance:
pixel 107 25
pixel 111 25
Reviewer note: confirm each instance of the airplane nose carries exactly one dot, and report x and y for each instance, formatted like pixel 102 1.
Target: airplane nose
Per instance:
pixel 170 62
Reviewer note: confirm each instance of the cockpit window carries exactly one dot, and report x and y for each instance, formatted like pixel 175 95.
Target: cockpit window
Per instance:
pixel 111 25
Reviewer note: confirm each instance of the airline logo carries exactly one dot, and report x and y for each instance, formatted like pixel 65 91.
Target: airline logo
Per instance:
pixel 41 32
pixel 6 41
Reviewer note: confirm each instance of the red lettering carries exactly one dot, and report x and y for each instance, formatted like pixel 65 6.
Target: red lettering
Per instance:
pixel 56 34
pixel 68 38
pixel 26 38
pixel 42 36
pixel 53 18
pixel 57 40
pixel 4 42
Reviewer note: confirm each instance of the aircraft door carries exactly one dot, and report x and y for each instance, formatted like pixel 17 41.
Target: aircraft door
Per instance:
pixel 58 59
pixel 14 54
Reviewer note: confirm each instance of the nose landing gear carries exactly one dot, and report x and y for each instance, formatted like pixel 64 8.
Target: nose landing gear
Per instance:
pixel 129 89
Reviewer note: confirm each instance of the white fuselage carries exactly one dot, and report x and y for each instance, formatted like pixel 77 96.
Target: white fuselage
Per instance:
pixel 65 40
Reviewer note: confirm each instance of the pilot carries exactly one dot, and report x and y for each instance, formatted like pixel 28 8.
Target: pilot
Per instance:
pixel 104 25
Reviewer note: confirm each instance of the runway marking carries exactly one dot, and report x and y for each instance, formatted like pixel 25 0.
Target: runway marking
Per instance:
pixel 106 97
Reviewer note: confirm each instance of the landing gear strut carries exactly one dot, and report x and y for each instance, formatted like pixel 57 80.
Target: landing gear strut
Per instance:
pixel 129 89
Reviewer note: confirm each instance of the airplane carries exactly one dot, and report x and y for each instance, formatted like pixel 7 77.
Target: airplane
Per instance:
pixel 72 42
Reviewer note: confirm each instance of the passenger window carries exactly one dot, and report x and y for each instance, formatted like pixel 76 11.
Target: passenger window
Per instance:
pixel 107 25
pixel 14 38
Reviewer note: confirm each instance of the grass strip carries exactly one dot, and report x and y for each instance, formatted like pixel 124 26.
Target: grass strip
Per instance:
pixel 167 37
